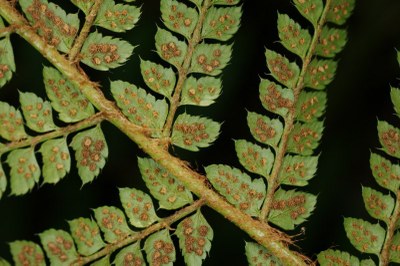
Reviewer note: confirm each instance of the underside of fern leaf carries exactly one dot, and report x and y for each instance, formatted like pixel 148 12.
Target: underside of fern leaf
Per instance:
pixel 382 238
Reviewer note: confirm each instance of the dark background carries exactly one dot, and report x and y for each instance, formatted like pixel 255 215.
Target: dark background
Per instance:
pixel 356 99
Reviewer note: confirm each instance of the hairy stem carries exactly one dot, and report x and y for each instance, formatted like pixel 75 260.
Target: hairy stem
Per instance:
pixel 273 183
pixel 64 131
pixel 183 70
pixel 261 232
pixel 76 48
pixel 394 218
pixel 164 223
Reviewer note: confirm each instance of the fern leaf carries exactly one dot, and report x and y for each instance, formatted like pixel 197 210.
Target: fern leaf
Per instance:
pixel 195 236
pixel 378 205
pixel 12 127
pixel 158 78
pixel 274 98
pixel 159 249
pixel 104 52
pixel 83 5
pixel 258 255
pixel 340 11
pixel 59 247
pixel 238 188
pixel 385 173
pixel 91 152
pixel 210 59
pixel 166 188
pixel 25 171
pixel 282 69
pixel 265 130
pixel 201 92
pixel 138 207
pixel 310 106
pixel 56 160
pixel 394 249
pixel 86 234
pixel 130 255
pixel 320 73
pixel 178 17
pixel 254 158
pixel 27 253
pixel 305 138
pixel 56 26
pixel 221 23
pixel 37 113
pixel 298 170
pixel 140 107
pixel 194 132
pixel 112 223
pixel 331 42
pixel 290 208
pixel 117 17
pixel 7 63
pixel 389 137
pixel 364 236
pixel 169 48
pixel 336 257
pixel 65 98
pixel 310 9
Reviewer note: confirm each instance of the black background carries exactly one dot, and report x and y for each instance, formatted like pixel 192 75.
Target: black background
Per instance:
pixel 356 99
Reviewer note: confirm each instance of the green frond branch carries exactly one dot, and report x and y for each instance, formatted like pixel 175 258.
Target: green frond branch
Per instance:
pixel 89 20
pixel 270 238
pixel 4 32
pixel 164 223
pixel 384 256
pixel 64 131
pixel 290 119
pixel 183 70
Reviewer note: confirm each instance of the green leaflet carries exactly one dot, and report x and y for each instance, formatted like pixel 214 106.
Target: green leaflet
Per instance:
pixel 201 92
pixel 178 17
pixel 320 73
pixel 169 48
pixel 310 105
pixel 66 99
pixel 112 223
pixel 3 181
pixel 336 257
pixel 56 160
pixel 7 63
pixel 297 170
pixel 389 137
pixel 138 207
pixel 25 171
pixel 310 9
pixel 264 129
pixel 117 17
pixel 26 253
pixel 103 53
pixel 56 26
pixel 293 36
pixel 258 255
pixel 194 132
pixel 385 173
pixel 254 158
pixel 210 59
pixel 394 254
pixel 139 106
pixel 37 113
pixel 331 42
pixel 59 247
pixel 340 11
pixel 395 96
pixel 237 187
pixel 221 23
pixel 3 262
pixel 12 127
pixel 364 236
pixel 130 255
pixel 159 249
pixel 91 152
pixel 158 78
pixel 163 186
pixel 304 138
pixel 282 69
pixel 84 5
pixel 195 236
pixel 290 208
pixel 87 236
pixel 274 98
pixel 378 205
